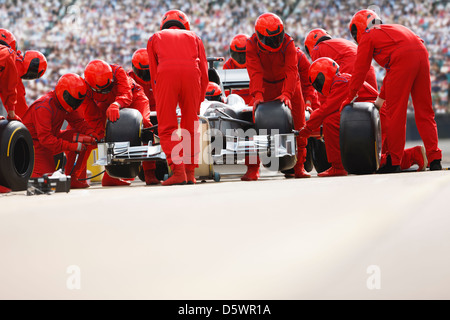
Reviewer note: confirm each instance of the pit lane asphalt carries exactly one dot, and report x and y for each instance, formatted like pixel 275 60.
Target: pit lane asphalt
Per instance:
pixel 318 238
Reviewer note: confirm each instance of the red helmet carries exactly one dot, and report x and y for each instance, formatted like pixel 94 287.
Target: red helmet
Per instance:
pixel 99 76
pixel 174 18
pixel 34 65
pixel 237 50
pixel 213 92
pixel 362 21
pixel 70 91
pixel 321 74
pixel 314 37
pixel 270 31
pixel 140 64
pixel 7 39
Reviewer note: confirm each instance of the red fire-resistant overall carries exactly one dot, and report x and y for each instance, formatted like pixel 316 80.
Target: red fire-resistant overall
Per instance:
pixel 405 58
pixel 8 78
pixel 179 74
pixel 276 73
pixel 344 53
pixel 128 94
pixel 147 86
pixel 244 93
pixel 329 114
pixel 44 120
pixel 309 94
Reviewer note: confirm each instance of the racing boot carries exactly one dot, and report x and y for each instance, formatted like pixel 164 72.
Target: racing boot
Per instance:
pixel 412 156
pixel 435 165
pixel 252 173
pixel 178 177
pixel 190 174
pixel 149 168
pixel 300 172
pixel 388 167
pixel 75 183
pixel 108 181
pixel 336 170
pixel 4 189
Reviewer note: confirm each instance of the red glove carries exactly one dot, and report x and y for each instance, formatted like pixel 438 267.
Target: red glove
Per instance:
pixel 85 139
pixel 96 136
pixel 113 113
pixel 285 100
pixel 258 99
pixel 308 107
pixel 304 132
pixel 347 101
pixel 76 147
pixel 12 116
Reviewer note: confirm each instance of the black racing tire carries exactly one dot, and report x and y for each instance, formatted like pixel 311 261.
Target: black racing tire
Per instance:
pixel 126 128
pixel 16 155
pixel 319 155
pixel 360 138
pixel 275 115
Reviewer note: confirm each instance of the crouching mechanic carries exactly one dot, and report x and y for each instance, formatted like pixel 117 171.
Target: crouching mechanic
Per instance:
pixel 405 58
pixel 325 77
pixel 179 71
pixel 45 118
pixel 109 89
pixel 273 71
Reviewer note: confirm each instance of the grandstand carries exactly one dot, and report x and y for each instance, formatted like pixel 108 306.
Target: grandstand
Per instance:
pixel 73 32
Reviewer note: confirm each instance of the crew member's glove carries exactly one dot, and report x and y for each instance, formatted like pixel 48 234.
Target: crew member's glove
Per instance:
pixel 285 100
pixel 96 136
pixel 347 101
pixel 2 118
pixel 76 147
pixel 308 107
pixel 112 112
pixel 304 132
pixel 12 116
pixel 258 100
pixel 83 138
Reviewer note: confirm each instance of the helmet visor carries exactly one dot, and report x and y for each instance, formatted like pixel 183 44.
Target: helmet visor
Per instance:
pixel 33 70
pixel 73 102
pixel 273 42
pixel 143 74
pixel 104 89
pixel 239 57
pixel 319 82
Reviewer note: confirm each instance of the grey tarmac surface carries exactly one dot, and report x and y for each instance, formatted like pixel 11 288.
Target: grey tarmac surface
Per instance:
pixel 354 237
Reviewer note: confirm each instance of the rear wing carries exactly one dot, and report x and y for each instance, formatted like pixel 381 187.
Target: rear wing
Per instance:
pixel 234 78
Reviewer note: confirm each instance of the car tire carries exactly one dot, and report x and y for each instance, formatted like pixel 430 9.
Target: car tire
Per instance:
pixel 126 128
pixel 275 115
pixel 360 138
pixel 16 155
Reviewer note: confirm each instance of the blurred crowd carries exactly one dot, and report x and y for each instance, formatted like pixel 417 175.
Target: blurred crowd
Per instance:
pixel 72 32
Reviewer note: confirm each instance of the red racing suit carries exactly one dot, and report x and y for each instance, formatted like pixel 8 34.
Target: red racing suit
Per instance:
pixel 243 93
pixel 179 77
pixel 344 53
pixel 147 86
pixel 405 58
pixel 44 120
pixel 8 78
pixel 329 114
pixel 125 92
pixel 276 73
pixel 309 94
